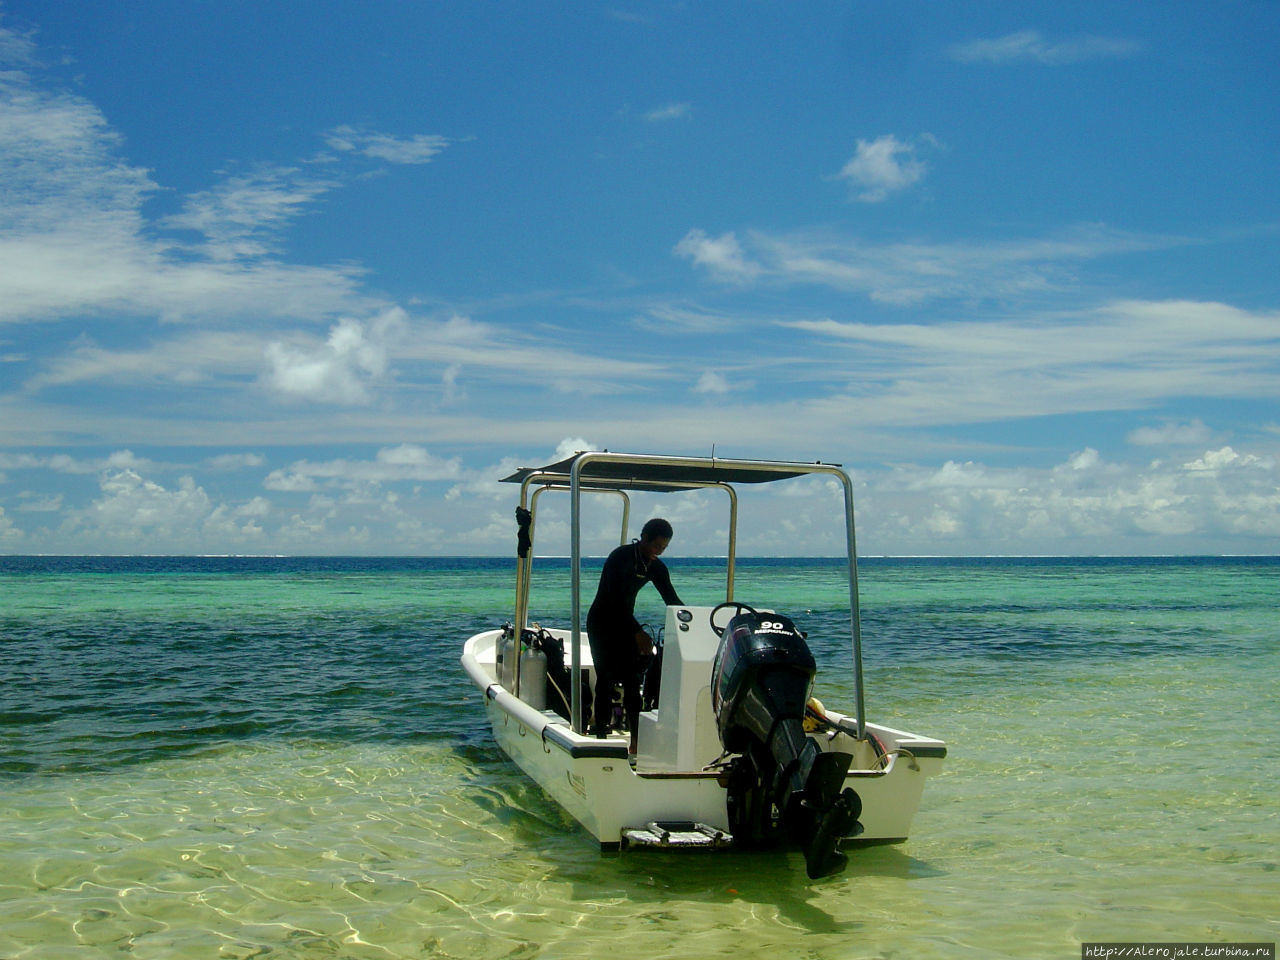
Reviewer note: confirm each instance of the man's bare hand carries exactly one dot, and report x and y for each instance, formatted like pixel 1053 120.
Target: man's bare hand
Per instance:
pixel 644 643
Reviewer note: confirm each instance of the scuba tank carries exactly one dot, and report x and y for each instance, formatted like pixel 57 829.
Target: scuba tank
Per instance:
pixel 533 678
pixel 533 666
pixel 507 658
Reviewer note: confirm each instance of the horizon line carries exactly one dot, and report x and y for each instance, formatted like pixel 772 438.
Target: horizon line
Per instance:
pixel 565 556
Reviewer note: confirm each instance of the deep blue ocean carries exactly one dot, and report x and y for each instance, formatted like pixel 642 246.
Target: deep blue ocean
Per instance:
pixel 213 757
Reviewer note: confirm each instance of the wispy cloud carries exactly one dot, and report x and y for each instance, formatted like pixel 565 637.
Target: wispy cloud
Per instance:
pixel 1029 46
pixel 686 319
pixel 722 256
pixel 16 49
pixel 885 165
pixel 1172 433
pixel 400 463
pixel 74 241
pixel 235 461
pixel 909 273
pixel 65 463
pixel 434 347
pixel 668 112
pixel 711 382
pixel 243 216
pixel 67 206
pixel 419 148
pixel 31 502
pixel 1126 355
pixel 389 358
pixel 188 359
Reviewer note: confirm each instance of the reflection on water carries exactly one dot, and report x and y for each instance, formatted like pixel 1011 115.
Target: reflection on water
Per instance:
pixel 296 767
pixel 265 848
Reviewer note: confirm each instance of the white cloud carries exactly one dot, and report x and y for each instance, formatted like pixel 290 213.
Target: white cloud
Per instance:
pixel 144 513
pixel 67 201
pixel 1086 459
pixel 16 50
pixel 187 359
pixel 137 515
pixel 952 475
pixel 406 462
pixel 73 240
pixel 1214 461
pixel 1224 496
pixel 419 148
pixel 243 216
pixel 20 461
pixel 452 394
pixel 711 382
pixel 721 255
pixel 683 320
pixel 940 523
pixel 284 481
pixel 885 165
pixel 1218 498
pixel 904 273
pixel 235 461
pixel 342 369
pixel 33 502
pixel 1171 433
pixel 258 508
pixel 570 445
pixel 65 463
pixel 485 350
pixel 1121 356
pixel 9 533
pixel 350 365
pixel 1029 46
pixel 671 111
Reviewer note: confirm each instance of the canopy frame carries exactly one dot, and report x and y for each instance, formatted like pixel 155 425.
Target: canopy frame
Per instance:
pixel 593 472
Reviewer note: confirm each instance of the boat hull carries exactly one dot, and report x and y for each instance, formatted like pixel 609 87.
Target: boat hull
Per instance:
pixel 595 783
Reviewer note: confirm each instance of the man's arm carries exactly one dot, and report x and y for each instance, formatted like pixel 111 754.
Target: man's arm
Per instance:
pixel 661 578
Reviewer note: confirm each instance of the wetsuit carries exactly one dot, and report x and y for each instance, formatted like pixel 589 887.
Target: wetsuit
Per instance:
pixel 612 629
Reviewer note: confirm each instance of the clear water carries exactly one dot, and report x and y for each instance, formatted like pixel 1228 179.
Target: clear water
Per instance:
pixel 283 758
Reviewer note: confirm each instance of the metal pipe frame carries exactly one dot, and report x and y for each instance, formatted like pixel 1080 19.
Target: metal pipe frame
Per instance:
pixel 764 466
pixel 524 565
pixel 575 655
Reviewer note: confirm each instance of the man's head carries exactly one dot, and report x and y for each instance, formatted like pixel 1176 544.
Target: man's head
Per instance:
pixel 654 537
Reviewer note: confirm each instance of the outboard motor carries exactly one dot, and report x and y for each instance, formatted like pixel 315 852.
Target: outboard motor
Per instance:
pixel 782 786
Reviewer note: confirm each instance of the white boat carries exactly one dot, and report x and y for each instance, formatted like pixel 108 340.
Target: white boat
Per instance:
pixel 735 751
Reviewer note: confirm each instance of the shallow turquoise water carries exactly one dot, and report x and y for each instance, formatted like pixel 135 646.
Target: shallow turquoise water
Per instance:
pixel 284 758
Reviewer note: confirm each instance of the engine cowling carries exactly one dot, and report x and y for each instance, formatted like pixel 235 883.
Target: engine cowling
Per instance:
pixel 781 786
pixel 762 674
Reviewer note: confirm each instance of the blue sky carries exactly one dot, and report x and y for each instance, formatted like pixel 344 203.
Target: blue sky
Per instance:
pixel 308 277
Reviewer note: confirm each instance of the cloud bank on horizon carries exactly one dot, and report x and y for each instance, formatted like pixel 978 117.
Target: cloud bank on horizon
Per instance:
pixel 311 284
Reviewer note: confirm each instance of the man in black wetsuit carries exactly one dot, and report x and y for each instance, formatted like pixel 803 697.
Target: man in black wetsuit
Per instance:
pixel 618 644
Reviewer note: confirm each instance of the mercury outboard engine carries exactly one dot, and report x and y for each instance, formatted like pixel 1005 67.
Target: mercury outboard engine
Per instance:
pixel 781 787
